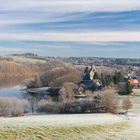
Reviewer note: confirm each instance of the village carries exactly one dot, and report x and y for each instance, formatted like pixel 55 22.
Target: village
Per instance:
pixel 69 70
pixel 91 81
pixel 101 96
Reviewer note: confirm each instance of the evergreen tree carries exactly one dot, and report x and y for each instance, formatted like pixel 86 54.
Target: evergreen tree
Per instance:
pixel 129 88
pixel 118 77
pixel 96 76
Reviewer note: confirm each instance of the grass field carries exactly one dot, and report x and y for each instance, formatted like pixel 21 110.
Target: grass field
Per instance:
pixel 61 133
pixel 62 127
pixel 74 126
pixel 22 59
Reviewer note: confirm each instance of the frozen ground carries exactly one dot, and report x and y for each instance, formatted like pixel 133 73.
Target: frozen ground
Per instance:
pixel 66 120
pixel 73 126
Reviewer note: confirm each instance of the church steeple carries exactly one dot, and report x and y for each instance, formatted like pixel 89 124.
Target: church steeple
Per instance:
pixel 92 72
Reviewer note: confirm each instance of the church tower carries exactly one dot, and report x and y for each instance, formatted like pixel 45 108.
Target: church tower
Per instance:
pixel 92 72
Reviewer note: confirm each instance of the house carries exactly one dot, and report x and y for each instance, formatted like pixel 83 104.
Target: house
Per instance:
pixel 88 82
pixel 133 82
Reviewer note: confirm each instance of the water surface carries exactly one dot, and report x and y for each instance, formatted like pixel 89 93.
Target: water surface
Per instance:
pixel 12 92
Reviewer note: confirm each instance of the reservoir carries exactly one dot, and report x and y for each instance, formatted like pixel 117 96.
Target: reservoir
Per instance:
pixel 12 87
pixel 15 91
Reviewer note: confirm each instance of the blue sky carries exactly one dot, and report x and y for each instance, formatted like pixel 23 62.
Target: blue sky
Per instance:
pixel 71 28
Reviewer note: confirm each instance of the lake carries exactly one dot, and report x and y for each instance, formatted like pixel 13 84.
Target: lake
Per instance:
pixel 12 87
pixel 12 92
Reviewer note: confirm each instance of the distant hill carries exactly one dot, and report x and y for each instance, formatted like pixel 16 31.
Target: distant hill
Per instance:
pixel 20 66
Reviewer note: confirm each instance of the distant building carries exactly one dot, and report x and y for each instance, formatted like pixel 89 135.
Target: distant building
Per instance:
pixel 92 72
pixel 88 82
pixel 133 82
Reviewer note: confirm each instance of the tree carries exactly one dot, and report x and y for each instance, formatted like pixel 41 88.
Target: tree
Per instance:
pixel 118 77
pixel 36 83
pixel 128 88
pixel 110 101
pixel 97 104
pixel 67 92
pixel 103 80
pixel 96 76
pixel 127 104
pixel 105 101
pixel 33 99
pixel 108 80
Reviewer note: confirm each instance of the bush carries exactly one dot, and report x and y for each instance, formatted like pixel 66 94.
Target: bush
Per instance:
pixel 11 107
pixel 105 101
pixel 49 108
pixel 65 107
pixel 56 77
pixel 67 92
pixel 127 104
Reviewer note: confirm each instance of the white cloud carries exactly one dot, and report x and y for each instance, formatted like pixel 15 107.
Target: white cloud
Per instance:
pixel 72 5
pixel 7 50
pixel 59 47
pixel 106 43
pixel 83 37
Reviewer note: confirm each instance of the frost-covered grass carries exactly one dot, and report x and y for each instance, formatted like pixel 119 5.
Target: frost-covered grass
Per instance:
pixel 61 132
pixel 22 59
pixel 63 120
pixel 62 127
pixel 135 98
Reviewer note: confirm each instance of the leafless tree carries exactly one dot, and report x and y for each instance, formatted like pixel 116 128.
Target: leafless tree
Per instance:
pixel 127 104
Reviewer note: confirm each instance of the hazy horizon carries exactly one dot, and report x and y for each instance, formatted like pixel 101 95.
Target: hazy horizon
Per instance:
pixel 71 28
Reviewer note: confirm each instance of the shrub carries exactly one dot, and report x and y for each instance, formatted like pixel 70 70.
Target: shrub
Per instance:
pixel 26 106
pixel 127 104
pixel 11 107
pixel 49 108
pixel 65 107
pixel 56 77
pixel 67 92
pixel 105 101
pixel 17 108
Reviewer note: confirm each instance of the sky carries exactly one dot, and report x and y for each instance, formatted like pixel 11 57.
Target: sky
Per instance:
pixel 95 28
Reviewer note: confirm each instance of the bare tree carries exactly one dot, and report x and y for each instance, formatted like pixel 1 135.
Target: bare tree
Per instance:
pixel 127 104
pixel 11 107
pixel 67 91
pixel 105 101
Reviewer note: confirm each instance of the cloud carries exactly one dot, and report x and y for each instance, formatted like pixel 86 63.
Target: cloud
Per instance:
pixel 71 6
pixel 68 23
pixel 72 22
pixel 79 37
pixel 8 50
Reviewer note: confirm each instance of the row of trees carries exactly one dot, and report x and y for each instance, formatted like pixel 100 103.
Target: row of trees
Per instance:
pixel 56 77
pixel 12 68
pixel 103 102
pixel 113 80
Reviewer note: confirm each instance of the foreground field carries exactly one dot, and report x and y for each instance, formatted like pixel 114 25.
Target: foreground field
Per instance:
pixel 74 126
pixel 63 127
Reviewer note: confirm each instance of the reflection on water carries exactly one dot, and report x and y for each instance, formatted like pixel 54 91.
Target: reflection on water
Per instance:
pixel 11 87
pixel 11 82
